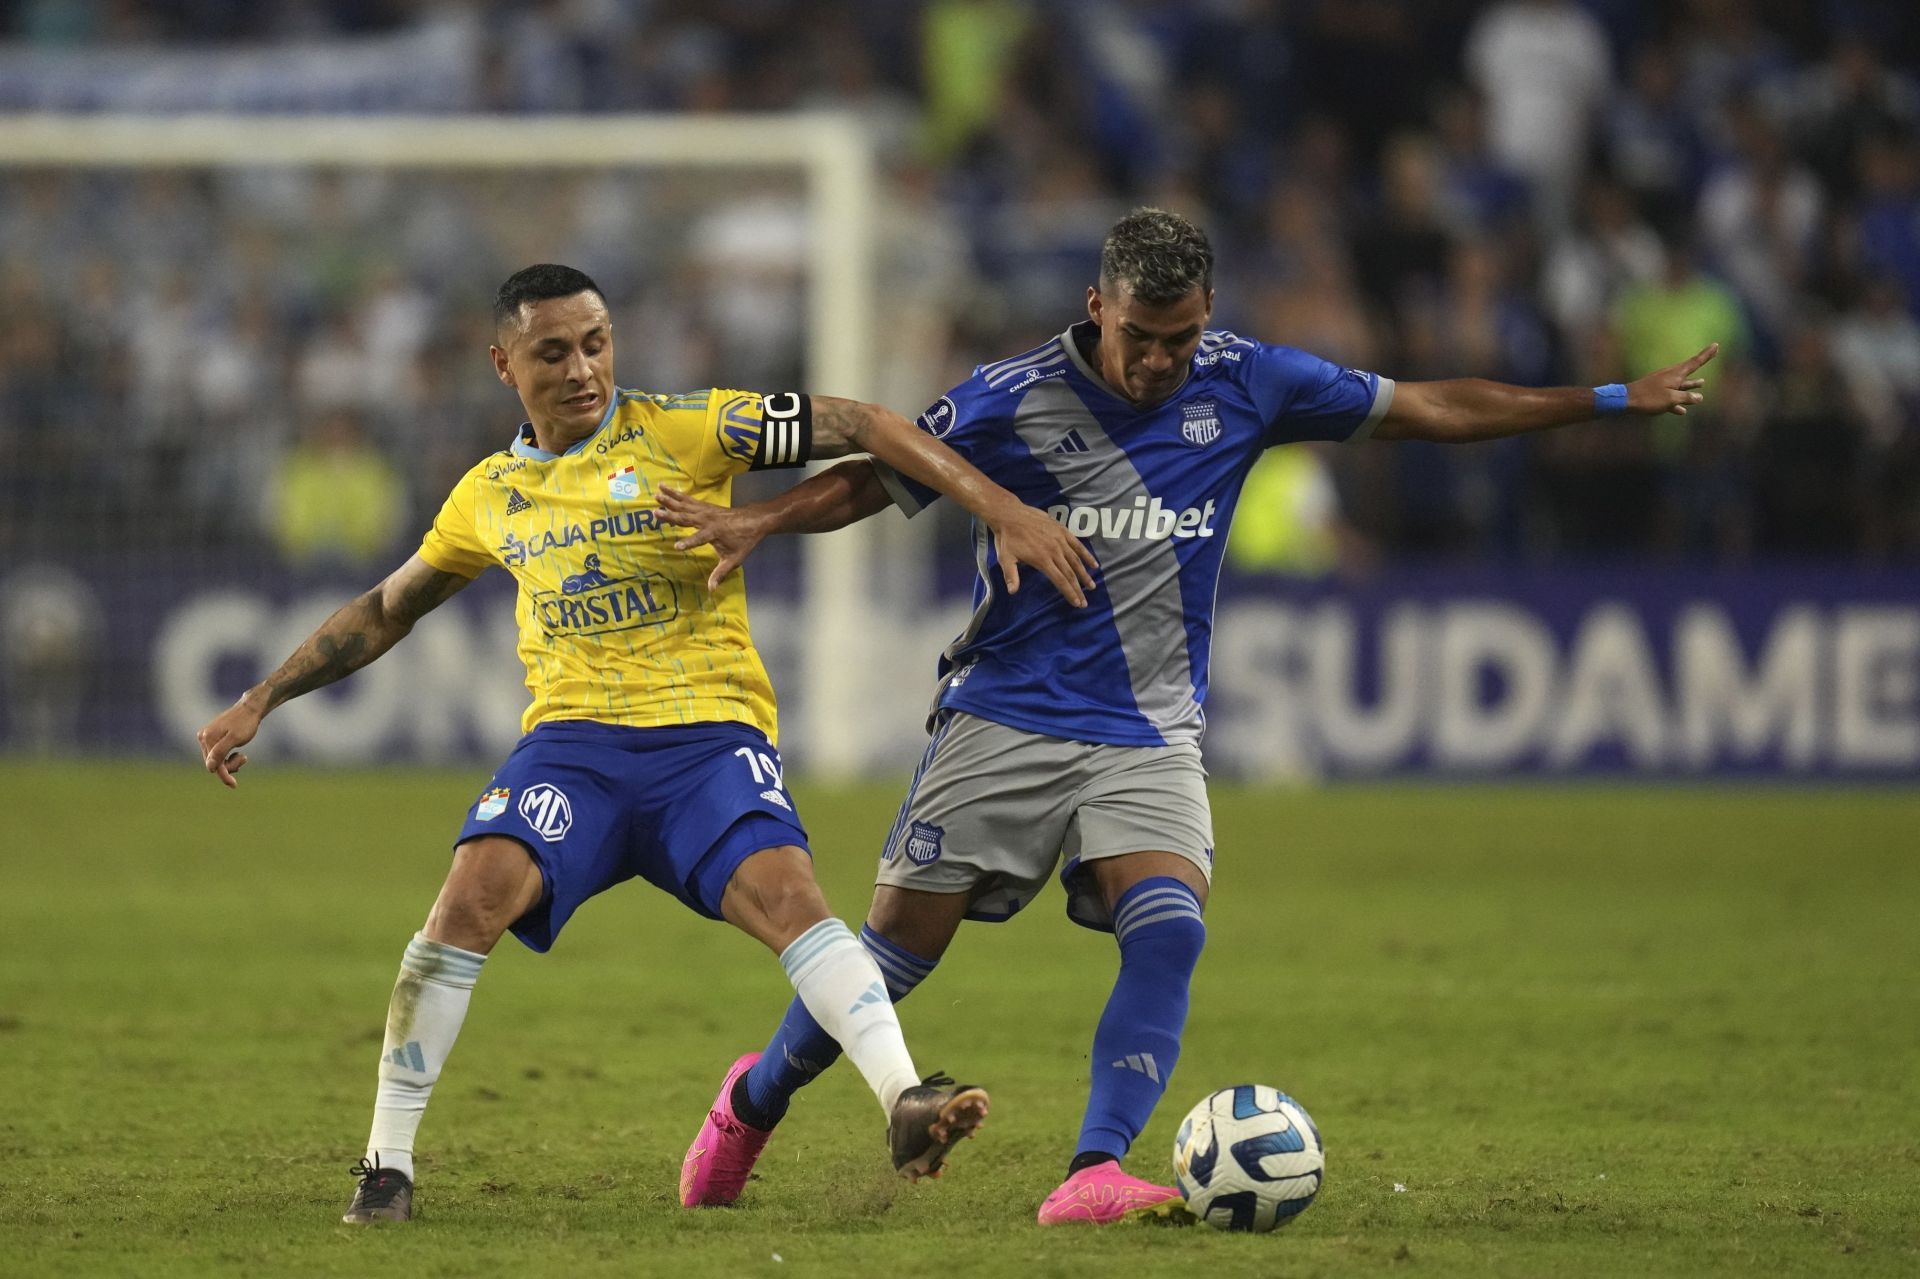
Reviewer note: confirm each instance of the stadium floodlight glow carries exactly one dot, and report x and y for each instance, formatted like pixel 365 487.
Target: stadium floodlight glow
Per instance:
pixel 833 151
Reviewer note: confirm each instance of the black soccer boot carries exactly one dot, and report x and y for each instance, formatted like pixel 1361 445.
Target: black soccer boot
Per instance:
pixel 928 1120
pixel 384 1194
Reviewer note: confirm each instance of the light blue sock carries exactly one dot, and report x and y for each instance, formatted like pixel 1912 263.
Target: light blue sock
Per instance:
pixel 1157 923
pixel 800 1050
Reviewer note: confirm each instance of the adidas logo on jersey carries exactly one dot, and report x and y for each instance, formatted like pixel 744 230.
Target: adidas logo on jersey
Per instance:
pixel 1146 520
pixel 1072 444
pixel 517 502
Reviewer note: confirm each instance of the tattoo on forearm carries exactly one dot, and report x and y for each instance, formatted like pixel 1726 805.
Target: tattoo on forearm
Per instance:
pixel 423 597
pixel 839 426
pixel 320 661
pixel 357 633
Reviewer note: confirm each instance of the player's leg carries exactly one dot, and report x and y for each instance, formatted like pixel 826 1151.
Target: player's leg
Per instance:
pixel 493 882
pixel 1153 900
pixel 772 897
pixel 954 806
pixel 918 905
pixel 907 931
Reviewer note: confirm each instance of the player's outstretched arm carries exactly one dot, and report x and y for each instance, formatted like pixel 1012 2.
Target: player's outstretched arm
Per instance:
pixel 1022 534
pixel 1464 410
pixel 833 499
pixel 357 632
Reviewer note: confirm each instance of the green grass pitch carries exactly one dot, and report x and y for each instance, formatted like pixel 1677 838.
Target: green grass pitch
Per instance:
pixel 1553 1030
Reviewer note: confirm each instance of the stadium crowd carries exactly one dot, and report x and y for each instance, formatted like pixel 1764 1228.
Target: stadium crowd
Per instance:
pixel 1531 190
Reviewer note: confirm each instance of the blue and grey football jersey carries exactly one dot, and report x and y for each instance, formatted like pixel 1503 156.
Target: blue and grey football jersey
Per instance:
pixel 1152 491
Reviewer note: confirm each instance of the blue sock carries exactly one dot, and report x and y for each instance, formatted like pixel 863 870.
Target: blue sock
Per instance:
pixel 800 1050
pixel 1157 923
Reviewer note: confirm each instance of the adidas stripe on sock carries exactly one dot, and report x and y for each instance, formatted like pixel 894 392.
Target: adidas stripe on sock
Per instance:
pixel 423 1019
pixel 843 989
pixel 800 1050
pixel 1158 925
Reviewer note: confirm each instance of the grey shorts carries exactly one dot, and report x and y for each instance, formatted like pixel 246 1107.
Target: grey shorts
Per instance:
pixel 993 809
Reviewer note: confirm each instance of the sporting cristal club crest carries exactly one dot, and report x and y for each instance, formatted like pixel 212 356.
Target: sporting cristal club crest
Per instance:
pixel 623 484
pixel 1200 423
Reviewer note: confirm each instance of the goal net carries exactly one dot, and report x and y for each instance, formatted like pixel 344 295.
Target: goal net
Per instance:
pixel 194 303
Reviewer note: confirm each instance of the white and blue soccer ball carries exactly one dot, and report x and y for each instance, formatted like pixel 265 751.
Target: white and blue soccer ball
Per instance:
pixel 1248 1158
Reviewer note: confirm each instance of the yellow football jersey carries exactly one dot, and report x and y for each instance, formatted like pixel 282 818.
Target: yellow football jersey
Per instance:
pixel 615 624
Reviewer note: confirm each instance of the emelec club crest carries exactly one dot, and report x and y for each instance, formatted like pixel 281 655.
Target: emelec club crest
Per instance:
pixel 923 843
pixel 1200 423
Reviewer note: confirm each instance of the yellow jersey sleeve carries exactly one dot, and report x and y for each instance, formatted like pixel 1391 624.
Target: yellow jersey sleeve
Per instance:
pixel 453 544
pixel 735 431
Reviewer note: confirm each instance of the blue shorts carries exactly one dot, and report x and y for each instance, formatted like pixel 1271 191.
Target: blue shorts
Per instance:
pixel 680 806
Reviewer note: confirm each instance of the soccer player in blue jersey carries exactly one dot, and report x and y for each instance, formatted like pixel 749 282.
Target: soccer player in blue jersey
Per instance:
pixel 649 747
pixel 1071 737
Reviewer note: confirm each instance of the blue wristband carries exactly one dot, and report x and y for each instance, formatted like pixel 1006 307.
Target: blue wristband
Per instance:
pixel 1608 399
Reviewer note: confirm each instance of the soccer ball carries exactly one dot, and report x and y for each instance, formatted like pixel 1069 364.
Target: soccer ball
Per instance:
pixel 1248 1158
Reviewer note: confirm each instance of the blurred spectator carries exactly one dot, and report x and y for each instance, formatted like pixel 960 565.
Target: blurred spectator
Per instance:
pixel 1478 194
pixel 751 253
pixel 1808 458
pixel 1889 225
pixel 1760 216
pixel 1288 520
pixel 1654 145
pixel 1608 250
pixel 329 373
pixel 1598 493
pixel 1836 105
pixel 1877 348
pixel 1360 163
pixel 1543 67
pixel 1372 64
pixel 1683 310
pixel 1726 54
pixel 1403 246
pixel 51 627
pixel 968 48
pixel 336 498
pixel 1306 294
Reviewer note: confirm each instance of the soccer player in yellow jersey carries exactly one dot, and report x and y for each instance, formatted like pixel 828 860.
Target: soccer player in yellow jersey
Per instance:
pixel 649 747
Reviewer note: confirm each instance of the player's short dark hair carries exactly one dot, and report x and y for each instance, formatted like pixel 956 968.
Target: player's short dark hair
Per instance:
pixel 1159 256
pixel 537 283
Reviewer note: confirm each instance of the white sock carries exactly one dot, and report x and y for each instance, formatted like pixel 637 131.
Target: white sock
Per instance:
pixel 429 1003
pixel 842 987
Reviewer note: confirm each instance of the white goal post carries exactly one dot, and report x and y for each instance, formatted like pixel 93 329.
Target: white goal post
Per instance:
pixel 832 151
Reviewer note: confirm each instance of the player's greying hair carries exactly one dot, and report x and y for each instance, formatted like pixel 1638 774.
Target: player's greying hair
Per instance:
pixel 537 283
pixel 1159 256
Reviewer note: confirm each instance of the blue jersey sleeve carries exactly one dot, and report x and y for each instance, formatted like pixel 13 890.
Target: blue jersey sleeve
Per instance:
pixel 957 420
pixel 1303 397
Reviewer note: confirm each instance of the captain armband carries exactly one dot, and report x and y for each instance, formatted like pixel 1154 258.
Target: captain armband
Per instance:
pixel 786 431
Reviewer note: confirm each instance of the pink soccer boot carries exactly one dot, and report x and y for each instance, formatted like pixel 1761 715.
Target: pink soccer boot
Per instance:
pixel 1104 1194
pixel 717 1163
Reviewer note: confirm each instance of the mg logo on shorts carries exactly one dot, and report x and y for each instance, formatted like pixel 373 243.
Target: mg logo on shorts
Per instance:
pixel 547 811
pixel 923 843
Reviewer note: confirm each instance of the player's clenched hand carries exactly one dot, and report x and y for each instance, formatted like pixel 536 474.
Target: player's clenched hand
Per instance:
pixel 1025 535
pixel 222 738
pixel 729 530
pixel 1671 390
